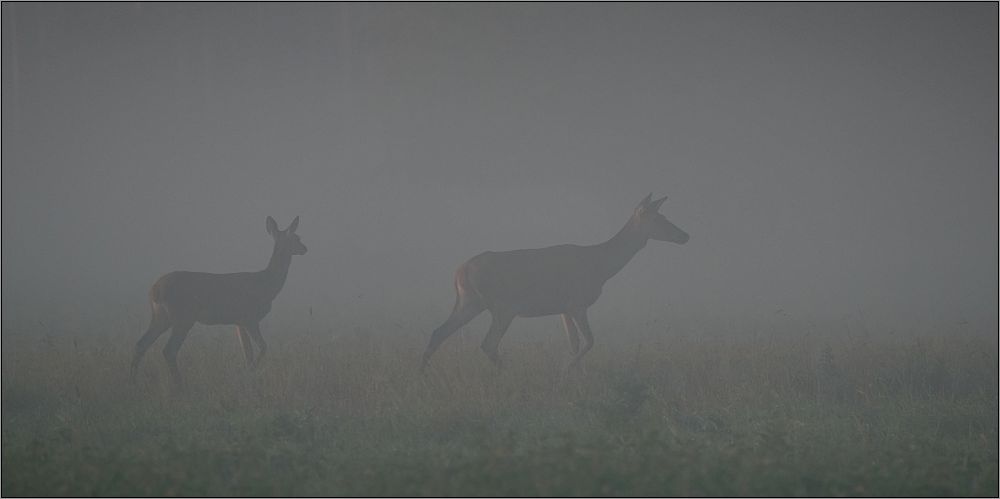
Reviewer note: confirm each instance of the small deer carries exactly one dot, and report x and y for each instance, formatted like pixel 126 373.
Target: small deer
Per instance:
pixel 180 299
pixel 564 279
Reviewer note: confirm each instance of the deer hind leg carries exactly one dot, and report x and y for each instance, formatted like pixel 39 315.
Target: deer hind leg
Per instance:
pixel 177 337
pixel 254 330
pixel 245 342
pixel 460 316
pixel 158 324
pixel 580 318
pixel 572 333
pixel 491 344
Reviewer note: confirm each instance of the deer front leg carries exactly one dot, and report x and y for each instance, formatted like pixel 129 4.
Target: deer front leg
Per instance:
pixel 254 330
pixel 572 334
pixel 491 344
pixel 177 337
pixel 244 336
pixel 158 324
pixel 580 319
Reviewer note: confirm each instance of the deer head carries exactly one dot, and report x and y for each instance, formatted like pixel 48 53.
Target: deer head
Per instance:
pixel 648 221
pixel 286 241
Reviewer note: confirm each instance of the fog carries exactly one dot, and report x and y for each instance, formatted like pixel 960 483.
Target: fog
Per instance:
pixel 828 160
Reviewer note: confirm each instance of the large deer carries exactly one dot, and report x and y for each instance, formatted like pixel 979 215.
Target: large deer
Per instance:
pixel 564 279
pixel 180 299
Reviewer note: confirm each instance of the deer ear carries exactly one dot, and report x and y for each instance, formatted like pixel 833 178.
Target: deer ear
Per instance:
pixel 294 225
pixel 655 205
pixel 645 201
pixel 272 227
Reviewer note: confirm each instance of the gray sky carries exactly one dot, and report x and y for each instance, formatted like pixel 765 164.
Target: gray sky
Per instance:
pixel 825 158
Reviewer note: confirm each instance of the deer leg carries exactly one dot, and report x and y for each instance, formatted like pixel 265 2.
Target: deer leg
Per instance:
pixel 177 337
pixel 254 330
pixel 572 333
pixel 244 337
pixel 460 316
pixel 158 323
pixel 491 344
pixel 580 318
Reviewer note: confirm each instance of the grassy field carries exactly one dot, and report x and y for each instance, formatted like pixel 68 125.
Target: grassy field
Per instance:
pixel 663 414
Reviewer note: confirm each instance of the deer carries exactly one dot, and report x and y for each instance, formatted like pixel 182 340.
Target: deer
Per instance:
pixel 560 280
pixel 180 299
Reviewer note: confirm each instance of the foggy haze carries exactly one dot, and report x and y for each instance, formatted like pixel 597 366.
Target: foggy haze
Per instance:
pixel 826 159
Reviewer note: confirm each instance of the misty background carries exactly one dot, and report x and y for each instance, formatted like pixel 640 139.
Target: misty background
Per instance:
pixel 828 160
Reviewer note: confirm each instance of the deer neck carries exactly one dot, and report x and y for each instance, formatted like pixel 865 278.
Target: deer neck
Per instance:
pixel 277 271
pixel 616 252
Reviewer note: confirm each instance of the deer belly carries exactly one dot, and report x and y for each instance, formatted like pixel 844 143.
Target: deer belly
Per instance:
pixel 540 303
pixel 234 314
pixel 533 311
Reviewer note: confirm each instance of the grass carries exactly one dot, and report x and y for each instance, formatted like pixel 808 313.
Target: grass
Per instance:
pixel 660 414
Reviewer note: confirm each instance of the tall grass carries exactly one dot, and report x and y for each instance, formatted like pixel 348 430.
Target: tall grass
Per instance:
pixel 345 412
